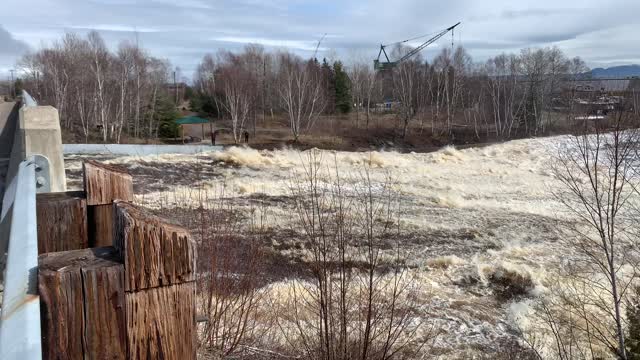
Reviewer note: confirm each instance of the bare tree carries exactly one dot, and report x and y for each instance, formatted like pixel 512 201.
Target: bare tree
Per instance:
pixel 405 77
pixel 99 63
pixel 229 279
pixel 556 75
pixel 301 92
pixel 238 88
pixel 360 77
pixel 125 68
pixel 506 96
pixel 543 71
pixel 371 82
pixel 424 90
pixel 94 89
pixel 471 100
pixel 254 60
pixel 459 71
pixel 355 305
pixel 442 94
pixel 598 172
pixel 230 264
pixel 55 68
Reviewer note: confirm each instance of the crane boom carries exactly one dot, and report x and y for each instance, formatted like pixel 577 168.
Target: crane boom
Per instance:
pixel 389 64
pixel 318 46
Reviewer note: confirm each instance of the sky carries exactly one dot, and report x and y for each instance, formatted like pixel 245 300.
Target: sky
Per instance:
pixel 604 32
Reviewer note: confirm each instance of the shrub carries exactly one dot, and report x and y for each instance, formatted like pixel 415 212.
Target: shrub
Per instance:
pixel 509 284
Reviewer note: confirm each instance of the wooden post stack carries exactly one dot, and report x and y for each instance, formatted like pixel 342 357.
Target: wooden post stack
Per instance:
pixel 103 185
pixel 131 294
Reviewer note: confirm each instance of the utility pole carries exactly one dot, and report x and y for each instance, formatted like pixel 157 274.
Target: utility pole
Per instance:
pixel 175 86
pixel 12 85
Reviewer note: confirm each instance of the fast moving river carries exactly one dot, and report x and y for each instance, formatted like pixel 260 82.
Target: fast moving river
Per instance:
pixel 469 217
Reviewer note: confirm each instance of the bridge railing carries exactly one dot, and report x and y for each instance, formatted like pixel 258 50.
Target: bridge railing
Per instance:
pixel 20 332
pixel 20 322
pixel 129 307
pixel 27 100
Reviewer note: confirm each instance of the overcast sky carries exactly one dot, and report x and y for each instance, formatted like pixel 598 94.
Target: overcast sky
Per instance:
pixel 603 32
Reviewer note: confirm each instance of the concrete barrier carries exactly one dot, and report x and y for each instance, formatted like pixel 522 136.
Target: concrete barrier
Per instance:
pixel 39 132
pixel 135 150
pixel 8 123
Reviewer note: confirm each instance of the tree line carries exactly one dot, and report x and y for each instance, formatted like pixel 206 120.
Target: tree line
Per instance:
pixel 508 95
pixel 108 94
pixel 252 82
pixel 98 91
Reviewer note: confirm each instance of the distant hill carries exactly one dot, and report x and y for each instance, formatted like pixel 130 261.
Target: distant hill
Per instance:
pixel 622 71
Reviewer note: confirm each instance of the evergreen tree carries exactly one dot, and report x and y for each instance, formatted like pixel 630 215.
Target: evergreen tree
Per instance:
pixel 189 93
pixel 203 104
pixel 342 86
pixel 165 116
pixel 196 103
pixel 328 77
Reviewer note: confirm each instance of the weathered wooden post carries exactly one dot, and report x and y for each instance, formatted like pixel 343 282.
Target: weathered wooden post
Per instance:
pixel 132 299
pixel 104 184
pixel 159 265
pixel 62 221
pixel 83 304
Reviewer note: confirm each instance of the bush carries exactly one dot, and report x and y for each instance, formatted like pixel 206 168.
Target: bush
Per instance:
pixel 509 284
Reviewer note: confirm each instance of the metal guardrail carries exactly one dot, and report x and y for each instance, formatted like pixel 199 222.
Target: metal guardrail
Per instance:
pixel 20 334
pixel 20 337
pixel 27 100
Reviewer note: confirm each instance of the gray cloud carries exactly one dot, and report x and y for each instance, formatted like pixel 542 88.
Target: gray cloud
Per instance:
pixel 10 46
pixel 183 31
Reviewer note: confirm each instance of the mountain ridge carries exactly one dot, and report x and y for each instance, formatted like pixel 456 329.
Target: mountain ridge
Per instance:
pixel 622 71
